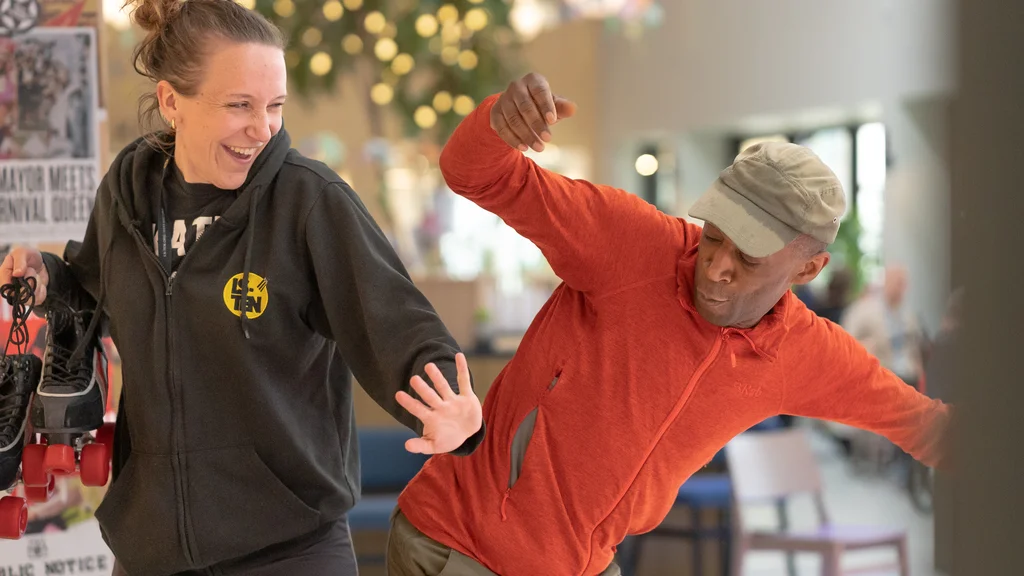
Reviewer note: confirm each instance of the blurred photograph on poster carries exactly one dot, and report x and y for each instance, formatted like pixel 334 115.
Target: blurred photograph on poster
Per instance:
pixel 49 134
pixel 47 95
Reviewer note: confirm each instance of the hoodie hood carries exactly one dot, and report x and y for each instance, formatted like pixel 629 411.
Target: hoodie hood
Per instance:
pixel 139 171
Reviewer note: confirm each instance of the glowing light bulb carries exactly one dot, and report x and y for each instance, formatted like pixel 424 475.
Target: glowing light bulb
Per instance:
pixel 284 8
pixel 426 25
pixel 312 37
pixel 464 105
pixel 468 60
pixel 374 22
pixel 448 14
pixel 425 117
pixel 443 102
pixel 402 64
pixel 646 165
pixel 333 10
pixel 352 44
pixel 385 49
pixel 476 19
pixel 381 94
pixel 320 63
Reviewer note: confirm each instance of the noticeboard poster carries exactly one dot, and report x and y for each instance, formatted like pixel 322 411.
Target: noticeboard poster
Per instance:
pixel 49 134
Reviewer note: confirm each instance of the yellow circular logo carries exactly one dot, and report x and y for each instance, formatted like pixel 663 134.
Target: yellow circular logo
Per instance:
pixel 253 301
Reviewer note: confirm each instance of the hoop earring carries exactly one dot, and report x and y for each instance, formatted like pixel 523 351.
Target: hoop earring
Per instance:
pixel 172 125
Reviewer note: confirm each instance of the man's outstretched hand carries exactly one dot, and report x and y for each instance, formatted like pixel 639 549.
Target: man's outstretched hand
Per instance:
pixel 525 112
pixel 448 418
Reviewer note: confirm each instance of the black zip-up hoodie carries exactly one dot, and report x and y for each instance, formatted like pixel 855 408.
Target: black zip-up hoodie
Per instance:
pixel 236 430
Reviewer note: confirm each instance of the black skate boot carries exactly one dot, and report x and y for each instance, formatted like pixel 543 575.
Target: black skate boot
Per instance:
pixel 19 375
pixel 72 395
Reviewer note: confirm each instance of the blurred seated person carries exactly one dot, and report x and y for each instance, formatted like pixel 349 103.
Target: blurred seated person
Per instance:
pixel 884 324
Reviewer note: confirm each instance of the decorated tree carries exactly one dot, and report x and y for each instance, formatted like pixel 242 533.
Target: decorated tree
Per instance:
pixel 431 61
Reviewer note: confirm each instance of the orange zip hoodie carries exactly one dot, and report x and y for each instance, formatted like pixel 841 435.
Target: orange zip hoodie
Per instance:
pixel 634 390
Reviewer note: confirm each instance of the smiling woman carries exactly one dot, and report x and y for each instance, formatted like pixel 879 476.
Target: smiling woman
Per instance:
pixel 219 131
pixel 220 85
pixel 243 285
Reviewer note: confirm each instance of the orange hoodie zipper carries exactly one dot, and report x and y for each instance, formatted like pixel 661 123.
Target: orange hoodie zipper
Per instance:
pixel 687 392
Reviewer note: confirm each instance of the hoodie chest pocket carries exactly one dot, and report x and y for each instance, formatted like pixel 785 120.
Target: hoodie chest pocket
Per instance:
pixel 523 435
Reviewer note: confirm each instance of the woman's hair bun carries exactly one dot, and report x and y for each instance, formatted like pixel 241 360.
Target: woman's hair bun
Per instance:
pixel 153 15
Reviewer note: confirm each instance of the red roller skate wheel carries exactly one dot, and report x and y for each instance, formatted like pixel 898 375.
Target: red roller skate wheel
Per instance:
pixel 33 468
pixel 60 459
pixel 13 517
pixel 40 494
pixel 105 435
pixel 95 464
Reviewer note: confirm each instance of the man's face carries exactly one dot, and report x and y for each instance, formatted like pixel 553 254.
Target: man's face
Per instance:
pixel 736 290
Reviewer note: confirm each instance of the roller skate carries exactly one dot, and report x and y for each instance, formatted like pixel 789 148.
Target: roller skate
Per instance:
pixel 70 402
pixel 19 375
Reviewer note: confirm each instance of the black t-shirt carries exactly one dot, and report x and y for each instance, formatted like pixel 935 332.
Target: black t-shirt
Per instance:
pixel 188 209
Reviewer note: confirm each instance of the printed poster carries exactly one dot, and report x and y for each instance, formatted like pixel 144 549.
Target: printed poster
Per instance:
pixel 49 172
pixel 49 134
pixel 79 550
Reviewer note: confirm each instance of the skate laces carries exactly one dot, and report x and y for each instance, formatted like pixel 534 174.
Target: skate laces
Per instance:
pixel 10 414
pixel 62 369
pixel 21 295
pixel 63 366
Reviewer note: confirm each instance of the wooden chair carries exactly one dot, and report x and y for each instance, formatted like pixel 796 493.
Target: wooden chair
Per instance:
pixel 767 467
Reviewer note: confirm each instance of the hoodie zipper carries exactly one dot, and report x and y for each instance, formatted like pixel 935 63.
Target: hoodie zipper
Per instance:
pixel 190 553
pixel 184 527
pixel 716 347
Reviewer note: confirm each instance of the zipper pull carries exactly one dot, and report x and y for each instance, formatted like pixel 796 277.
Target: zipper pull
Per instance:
pixel 170 281
pixel 504 499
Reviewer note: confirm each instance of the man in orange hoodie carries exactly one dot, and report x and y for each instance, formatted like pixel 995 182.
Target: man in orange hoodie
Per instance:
pixel 663 342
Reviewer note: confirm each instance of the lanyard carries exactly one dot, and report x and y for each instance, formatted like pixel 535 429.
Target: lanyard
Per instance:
pixel 163 228
pixel 163 238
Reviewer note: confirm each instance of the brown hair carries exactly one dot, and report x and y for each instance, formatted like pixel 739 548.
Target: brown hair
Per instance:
pixel 177 33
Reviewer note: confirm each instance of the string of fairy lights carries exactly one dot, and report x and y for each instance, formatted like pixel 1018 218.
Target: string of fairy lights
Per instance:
pixel 432 60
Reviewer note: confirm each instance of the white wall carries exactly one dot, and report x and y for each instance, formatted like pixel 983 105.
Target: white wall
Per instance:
pixel 917 195
pixel 715 61
pixel 719 67
pixel 700 157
